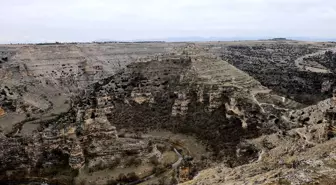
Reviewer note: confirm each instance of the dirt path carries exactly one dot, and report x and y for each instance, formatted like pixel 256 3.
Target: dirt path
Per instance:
pixel 152 179
pixel 299 62
pixel 275 106
pixel 189 146
pixel 254 92
pixel 178 162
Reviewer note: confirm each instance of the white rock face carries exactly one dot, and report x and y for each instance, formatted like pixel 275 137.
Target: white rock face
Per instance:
pixel 180 106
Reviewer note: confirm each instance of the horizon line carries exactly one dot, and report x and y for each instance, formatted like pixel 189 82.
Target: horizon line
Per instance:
pixel 182 39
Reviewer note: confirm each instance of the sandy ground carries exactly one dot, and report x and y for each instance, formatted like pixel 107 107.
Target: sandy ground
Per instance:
pixel 9 120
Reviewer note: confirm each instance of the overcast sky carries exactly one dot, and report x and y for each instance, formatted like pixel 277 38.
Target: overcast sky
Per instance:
pixel 88 20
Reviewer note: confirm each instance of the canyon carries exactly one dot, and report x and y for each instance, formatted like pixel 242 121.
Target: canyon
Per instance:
pixel 245 112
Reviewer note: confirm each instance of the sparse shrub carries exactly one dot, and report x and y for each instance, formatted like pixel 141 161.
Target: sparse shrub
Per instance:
pixel 133 161
pixel 115 163
pixel 138 136
pixel 159 169
pixel 162 181
pixel 153 160
pixel 131 152
pixel 267 144
pixel 122 177
pixel 131 177
pixel 291 162
pixel 82 182
pixel 112 182
pixel 161 147
pixel 173 181
pixel 282 181
pixel 97 167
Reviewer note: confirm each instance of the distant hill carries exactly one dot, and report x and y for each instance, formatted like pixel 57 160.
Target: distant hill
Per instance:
pixel 205 39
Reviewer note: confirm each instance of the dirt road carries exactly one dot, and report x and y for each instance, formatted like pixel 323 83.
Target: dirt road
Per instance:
pixel 299 62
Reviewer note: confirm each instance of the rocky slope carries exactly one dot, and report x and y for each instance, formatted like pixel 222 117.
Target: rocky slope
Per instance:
pixel 85 113
pixel 303 155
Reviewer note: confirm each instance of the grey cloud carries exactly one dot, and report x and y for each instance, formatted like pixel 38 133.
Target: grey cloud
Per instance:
pixel 87 20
